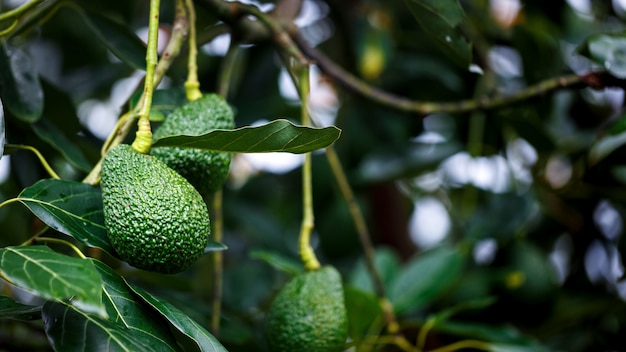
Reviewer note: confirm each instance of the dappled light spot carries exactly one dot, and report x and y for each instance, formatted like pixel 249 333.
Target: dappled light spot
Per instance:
pixel 429 223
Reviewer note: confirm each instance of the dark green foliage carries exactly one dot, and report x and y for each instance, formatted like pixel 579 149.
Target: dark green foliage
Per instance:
pixel 309 314
pixel 206 170
pixel 155 219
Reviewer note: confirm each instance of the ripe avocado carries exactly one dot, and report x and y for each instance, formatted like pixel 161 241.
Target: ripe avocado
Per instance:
pixel 155 219
pixel 309 314
pixel 204 169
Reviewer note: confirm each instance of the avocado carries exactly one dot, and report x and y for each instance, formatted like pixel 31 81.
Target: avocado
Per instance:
pixel 309 314
pixel 204 169
pixel 155 219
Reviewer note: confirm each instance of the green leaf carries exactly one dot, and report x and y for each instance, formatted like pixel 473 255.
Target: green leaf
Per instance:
pixel 363 312
pixel 20 88
pixel 52 275
pixel 278 261
pixel 53 136
pixel 71 330
pixel 214 247
pixel 498 335
pixel 180 321
pixel 387 263
pixel 608 50
pixel 425 277
pixel 440 18
pixel 122 42
pixel 605 146
pixel 276 136
pixel 13 310
pixel 72 208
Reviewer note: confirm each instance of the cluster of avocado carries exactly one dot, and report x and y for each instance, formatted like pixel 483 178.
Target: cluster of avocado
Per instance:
pixel 154 210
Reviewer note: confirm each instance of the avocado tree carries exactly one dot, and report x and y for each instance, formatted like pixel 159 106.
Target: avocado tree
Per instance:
pixel 312 175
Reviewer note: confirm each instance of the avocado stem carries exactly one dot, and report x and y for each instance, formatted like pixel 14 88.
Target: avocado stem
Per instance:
pixel 192 86
pixel 143 139
pixel 307 255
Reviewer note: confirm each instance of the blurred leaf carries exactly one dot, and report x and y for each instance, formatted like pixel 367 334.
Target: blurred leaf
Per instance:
pixel 278 261
pixel 276 136
pixel 363 311
pixel 3 138
pixel 53 136
pixel 20 88
pixel 497 335
pixel 387 263
pixel 475 304
pixel 214 247
pixel 13 310
pixel 52 275
pixel 425 277
pixel 91 333
pixel 413 160
pixel 440 18
pixel 72 208
pixel 502 347
pixel 608 50
pixel 122 42
pixel 204 341
pixel 606 145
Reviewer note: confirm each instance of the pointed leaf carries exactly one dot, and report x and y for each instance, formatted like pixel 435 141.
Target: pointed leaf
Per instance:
pixel 129 312
pixel 72 208
pixel 387 263
pixel 71 330
pixel 276 136
pixel 425 277
pixel 204 341
pixel 52 275
pixel 122 42
pixel 440 18
pixel 214 247
pixel 13 310
pixel 55 137
pixel 20 88
pixel 363 311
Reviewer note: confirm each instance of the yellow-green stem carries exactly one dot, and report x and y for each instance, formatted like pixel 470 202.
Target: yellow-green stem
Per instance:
pixel 60 241
pixel 143 140
pixel 43 161
pixel 20 10
pixel 307 255
pixel 421 337
pixel 218 235
pixel 192 86
pixel 473 344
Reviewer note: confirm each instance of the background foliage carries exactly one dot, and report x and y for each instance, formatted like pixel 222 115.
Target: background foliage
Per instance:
pixel 494 193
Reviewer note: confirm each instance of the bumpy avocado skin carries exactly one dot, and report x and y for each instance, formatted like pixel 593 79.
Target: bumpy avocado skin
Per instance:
pixel 205 170
pixel 309 314
pixel 155 219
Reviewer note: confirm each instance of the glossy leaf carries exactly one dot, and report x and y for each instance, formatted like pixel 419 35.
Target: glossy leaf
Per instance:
pixel 122 42
pixel 55 276
pixel 425 277
pixel 180 321
pixel 214 247
pixel 278 261
pixel 20 88
pixel 440 20
pixel 91 333
pixel 605 146
pixel 608 50
pixel 72 208
pixel 53 136
pixel 14 310
pixel 276 136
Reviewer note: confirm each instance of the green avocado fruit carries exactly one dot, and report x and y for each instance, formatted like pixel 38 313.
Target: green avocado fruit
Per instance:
pixel 155 219
pixel 309 314
pixel 204 169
